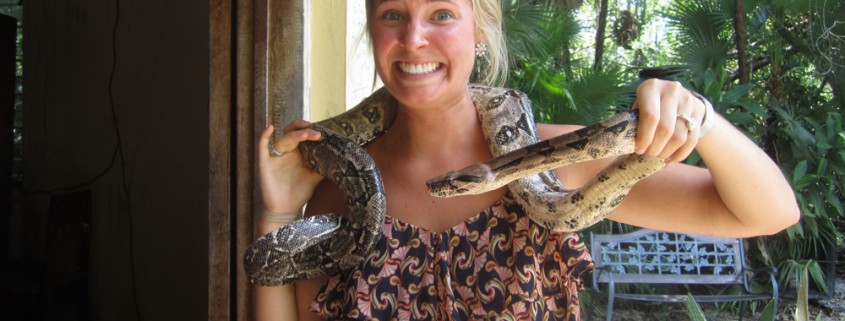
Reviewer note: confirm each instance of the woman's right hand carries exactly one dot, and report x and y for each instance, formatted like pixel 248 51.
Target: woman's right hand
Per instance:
pixel 286 181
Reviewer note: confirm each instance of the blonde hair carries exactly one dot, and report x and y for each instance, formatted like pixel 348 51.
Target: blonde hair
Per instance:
pixel 488 26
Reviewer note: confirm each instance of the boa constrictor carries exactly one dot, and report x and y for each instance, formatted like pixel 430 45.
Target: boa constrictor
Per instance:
pixel 326 244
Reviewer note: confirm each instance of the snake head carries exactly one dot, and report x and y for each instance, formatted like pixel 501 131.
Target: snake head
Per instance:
pixel 475 179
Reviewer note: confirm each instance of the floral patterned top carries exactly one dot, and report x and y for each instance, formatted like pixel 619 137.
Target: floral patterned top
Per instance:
pixel 498 264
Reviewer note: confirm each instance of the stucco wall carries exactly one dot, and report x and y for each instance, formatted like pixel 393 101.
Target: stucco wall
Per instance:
pixel 340 62
pixel 361 74
pixel 157 85
pixel 328 47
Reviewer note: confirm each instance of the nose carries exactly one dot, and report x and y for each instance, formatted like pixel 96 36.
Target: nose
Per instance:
pixel 416 35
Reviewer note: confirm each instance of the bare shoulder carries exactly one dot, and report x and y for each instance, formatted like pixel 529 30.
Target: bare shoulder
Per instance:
pixel 327 198
pixel 547 131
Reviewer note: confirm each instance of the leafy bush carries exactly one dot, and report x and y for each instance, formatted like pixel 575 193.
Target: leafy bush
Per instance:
pixel 791 106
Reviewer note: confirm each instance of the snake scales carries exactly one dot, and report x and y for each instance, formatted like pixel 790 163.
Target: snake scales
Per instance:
pixel 326 244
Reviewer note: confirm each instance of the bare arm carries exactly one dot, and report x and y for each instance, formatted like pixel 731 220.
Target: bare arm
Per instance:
pixel 327 198
pixel 291 302
pixel 741 193
pixel 286 184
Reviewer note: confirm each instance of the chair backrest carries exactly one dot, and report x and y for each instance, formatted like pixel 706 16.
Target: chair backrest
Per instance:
pixel 652 256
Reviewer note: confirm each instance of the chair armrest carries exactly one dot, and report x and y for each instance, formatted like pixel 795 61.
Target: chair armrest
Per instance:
pixel 596 277
pixel 771 271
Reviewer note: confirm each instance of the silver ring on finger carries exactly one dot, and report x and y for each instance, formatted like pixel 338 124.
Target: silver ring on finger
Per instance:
pixel 273 151
pixel 691 123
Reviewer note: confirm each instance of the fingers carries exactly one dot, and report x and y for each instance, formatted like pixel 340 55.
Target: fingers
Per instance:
pixel 295 132
pixel 648 106
pixel 286 181
pixel 298 124
pixel 263 142
pixel 687 133
pixel 662 128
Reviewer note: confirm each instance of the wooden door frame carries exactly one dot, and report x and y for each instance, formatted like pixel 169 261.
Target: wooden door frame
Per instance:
pixel 255 77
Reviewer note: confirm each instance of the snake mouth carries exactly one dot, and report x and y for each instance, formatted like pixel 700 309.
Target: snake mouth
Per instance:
pixel 454 184
pixel 444 189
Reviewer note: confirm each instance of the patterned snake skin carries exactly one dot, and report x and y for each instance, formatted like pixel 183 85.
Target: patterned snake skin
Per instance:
pixel 326 244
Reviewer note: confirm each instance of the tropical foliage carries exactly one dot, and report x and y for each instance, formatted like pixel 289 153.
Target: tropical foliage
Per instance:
pixel 15 11
pixel 775 68
pixel 801 312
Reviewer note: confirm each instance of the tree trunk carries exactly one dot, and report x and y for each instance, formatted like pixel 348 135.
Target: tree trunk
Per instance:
pixel 837 85
pixel 742 57
pixel 777 58
pixel 602 25
pixel 566 62
pixel 772 119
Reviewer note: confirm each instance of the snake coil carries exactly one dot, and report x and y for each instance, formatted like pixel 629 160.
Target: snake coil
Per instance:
pixel 326 244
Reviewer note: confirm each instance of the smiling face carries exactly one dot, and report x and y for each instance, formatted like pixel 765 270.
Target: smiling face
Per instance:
pixel 424 49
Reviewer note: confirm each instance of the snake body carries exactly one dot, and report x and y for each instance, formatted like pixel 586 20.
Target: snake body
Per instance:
pixel 325 244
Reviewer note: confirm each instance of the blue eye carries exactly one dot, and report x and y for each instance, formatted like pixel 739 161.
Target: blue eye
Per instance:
pixel 443 15
pixel 391 16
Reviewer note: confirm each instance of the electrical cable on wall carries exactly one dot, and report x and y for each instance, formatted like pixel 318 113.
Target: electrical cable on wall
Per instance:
pixel 124 183
pixel 118 151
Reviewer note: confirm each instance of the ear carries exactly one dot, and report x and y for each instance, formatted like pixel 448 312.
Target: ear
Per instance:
pixel 480 36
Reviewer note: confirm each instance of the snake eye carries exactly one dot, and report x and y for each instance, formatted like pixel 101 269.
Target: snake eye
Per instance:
pixel 469 178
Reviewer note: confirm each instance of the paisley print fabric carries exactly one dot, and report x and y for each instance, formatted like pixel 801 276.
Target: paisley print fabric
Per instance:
pixel 497 265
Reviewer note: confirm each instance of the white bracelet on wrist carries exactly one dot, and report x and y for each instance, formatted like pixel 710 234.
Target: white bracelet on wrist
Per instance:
pixel 709 115
pixel 283 218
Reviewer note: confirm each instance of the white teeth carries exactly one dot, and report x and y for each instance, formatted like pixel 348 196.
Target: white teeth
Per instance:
pixel 418 69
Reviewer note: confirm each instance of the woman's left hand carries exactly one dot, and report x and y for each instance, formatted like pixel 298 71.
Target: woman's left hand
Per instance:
pixel 669 121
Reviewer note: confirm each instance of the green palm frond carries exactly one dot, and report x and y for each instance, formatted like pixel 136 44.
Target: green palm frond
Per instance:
pixel 600 93
pixel 591 95
pixel 701 27
pixel 535 32
pixel 694 310
pixel 564 32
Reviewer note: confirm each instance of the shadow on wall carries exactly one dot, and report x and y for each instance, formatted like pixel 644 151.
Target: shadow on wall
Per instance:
pixel 56 287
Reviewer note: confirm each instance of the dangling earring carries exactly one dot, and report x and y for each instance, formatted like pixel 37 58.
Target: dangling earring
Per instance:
pixel 481 49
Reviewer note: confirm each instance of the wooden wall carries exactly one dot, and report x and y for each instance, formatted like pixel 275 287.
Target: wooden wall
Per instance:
pixel 256 79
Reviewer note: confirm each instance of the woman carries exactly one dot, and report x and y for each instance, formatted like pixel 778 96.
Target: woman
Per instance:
pixel 461 258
